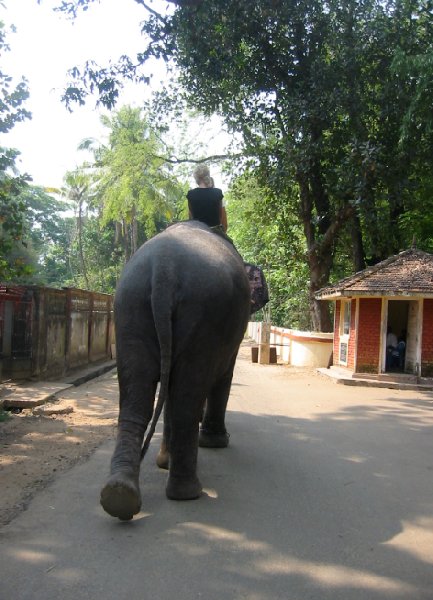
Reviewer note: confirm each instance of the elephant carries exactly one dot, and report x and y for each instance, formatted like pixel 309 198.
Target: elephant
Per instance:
pixel 181 309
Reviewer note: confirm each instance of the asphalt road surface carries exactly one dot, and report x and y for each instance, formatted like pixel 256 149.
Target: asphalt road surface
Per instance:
pixel 325 493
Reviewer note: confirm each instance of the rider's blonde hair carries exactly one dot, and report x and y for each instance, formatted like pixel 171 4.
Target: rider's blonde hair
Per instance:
pixel 202 175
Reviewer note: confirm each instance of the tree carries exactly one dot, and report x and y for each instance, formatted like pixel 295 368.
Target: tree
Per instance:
pixel 12 209
pixel 77 190
pixel 313 89
pixel 275 242
pixel 413 68
pixel 135 188
pixel 45 231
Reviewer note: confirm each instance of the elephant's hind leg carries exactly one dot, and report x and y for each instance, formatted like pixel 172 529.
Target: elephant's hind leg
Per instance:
pixel 185 404
pixel 120 497
pixel 138 373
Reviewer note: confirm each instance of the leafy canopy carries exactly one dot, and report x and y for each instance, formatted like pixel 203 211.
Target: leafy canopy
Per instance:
pixel 331 100
pixel 12 184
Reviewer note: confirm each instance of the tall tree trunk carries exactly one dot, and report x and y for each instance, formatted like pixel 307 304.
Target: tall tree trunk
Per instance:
pixel 80 243
pixel 134 234
pixel 320 264
pixel 125 240
pixel 320 244
pixel 118 233
pixel 358 254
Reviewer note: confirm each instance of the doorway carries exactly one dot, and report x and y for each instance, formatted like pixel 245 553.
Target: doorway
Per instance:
pixel 402 325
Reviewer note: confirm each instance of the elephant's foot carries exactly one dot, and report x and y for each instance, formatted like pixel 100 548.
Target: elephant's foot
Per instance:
pixel 120 497
pixel 208 439
pixel 183 489
pixel 163 458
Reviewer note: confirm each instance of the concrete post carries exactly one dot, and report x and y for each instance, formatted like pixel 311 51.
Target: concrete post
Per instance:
pixel 264 347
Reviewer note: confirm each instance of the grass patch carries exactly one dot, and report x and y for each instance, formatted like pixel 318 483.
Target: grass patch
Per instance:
pixel 4 415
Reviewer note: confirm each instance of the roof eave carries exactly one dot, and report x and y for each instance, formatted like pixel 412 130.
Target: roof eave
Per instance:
pixel 335 295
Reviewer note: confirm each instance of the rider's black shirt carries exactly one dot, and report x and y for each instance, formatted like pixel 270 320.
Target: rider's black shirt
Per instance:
pixel 205 205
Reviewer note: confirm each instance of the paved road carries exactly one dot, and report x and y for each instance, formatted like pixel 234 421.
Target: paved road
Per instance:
pixel 325 493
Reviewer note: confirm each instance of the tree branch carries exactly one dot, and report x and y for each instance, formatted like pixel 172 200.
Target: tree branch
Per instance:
pixel 186 2
pixel 280 122
pixel 345 213
pixel 214 157
pixel 152 12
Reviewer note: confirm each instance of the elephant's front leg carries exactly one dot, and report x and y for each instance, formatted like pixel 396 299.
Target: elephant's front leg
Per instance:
pixel 120 497
pixel 213 433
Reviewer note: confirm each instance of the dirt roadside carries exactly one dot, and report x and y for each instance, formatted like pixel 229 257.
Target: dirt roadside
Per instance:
pixel 35 448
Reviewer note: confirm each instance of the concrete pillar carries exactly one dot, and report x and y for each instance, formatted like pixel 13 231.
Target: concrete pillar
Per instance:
pixel 264 346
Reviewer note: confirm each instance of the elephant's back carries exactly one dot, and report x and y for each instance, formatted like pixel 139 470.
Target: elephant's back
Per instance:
pixel 188 289
pixel 189 266
pixel 206 263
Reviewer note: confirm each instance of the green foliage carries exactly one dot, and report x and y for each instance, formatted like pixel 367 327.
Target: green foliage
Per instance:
pixel 4 415
pixel 12 184
pixel 312 89
pixel 333 104
pixel 273 240
pixel 332 101
pixel 58 263
pixel 12 210
pixel 124 196
pixel 43 229
pixel 12 96
pixel 104 260
pixel 134 187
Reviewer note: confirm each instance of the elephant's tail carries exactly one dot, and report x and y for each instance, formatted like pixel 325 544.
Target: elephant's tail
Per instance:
pixel 162 315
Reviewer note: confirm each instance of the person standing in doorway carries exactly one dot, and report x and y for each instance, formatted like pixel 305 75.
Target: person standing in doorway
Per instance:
pixel 391 347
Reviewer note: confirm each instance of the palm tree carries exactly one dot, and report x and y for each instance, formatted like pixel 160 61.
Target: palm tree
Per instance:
pixel 77 188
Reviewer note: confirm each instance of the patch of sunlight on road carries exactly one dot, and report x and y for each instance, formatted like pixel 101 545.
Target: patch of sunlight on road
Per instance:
pixel 48 562
pixel 33 556
pixel 415 538
pixel 302 437
pixel 138 517
pixel 68 575
pixel 210 532
pixel 268 563
pixel 356 458
pixel 333 576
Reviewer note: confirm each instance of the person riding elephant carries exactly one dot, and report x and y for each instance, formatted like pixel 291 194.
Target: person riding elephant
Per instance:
pixel 205 202
pixel 181 309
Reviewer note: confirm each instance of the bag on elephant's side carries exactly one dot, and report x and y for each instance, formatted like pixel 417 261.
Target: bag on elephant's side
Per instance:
pixel 258 287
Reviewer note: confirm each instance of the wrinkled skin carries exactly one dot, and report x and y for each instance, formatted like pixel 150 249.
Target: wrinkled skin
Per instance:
pixel 181 310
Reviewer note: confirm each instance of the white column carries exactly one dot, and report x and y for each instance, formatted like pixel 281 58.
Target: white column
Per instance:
pixel 264 347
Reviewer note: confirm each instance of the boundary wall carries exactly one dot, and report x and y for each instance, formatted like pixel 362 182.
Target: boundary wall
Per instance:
pixel 47 332
pixel 296 348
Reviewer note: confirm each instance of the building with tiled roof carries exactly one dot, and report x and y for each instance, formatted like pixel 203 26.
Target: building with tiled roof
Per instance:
pixel 393 297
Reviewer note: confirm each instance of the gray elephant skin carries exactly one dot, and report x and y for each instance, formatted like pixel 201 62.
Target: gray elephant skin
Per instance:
pixel 181 309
